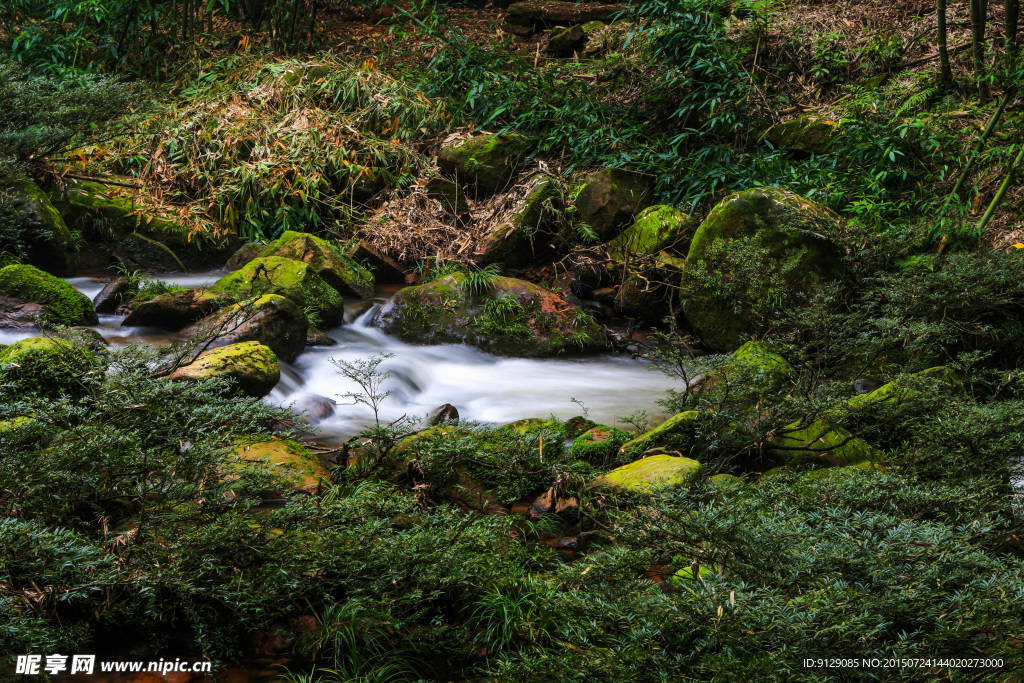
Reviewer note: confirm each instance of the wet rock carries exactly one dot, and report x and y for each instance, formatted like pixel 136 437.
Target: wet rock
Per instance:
pixel 175 310
pixel 657 472
pixel 800 242
pixel 294 280
pixel 488 162
pixel 655 229
pixel 555 501
pixel 111 296
pixel 315 337
pixel 384 268
pixel 678 433
pixel 18 314
pixel 313 408
pixel 61 304
pixel 54 253
pixel 270 319
pixel 516 318
pixel 446 414
pixel 564 41
pixel 250 365
pixel 245 253
pixel 337 269
pixel 819 444
pixel 607 201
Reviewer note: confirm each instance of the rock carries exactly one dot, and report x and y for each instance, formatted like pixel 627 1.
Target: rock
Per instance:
pixel 313 408
pixel 450 194
pixel 315 337
pixel 271 320
pixel 18 314
pixel 330 263
pixel 536 15
pixel 657 472
pixel 84 337
pixel 516 318
pixel 513 239
pixel 565 41
pixel 555 502
pixel 61 304
pixel 245 253
pixel 819 444
pixel 384 268
pixel 656 228
pixel 295 280
pixel 753 372
pixel 903 390
pixel 251 365
pixel 47 366
pixel 530 425
pixel 286 459
pixel 599 445
pixel 575 426
pixel 446 414
pixel 175 310
pixel 607 201
pixel 678 433
pixel 55 253
pixel 725 482
pixel 807 134
pixel 487 161
pixel 111 296
pixel 799 241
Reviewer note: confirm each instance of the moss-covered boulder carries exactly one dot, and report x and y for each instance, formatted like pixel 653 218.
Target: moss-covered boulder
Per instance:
pixel 819 444
pixel 608 201
pixel 331 263
pixel 598 445
pixel 47 366
pixel 654 473
pixel 806 134
pixel 61 303
pixel 907 389
pixel 252 366
pixel 753 371
pixel 513 318
pixel 175 310
pixel 656 228
pixel 725 482
pixel 678 433
pixel 55 249
pixel 759 252
pixel 530 425
pixel 271 320
pixel 562 41
pixel 247 252
pixel 516 236
pixel 295 280
pixel 647 285
pixel 291 462
pixel 488 162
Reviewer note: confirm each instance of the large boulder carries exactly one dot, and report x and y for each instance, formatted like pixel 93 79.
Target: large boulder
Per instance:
pixel 332 264
pixel 806 134
pixel 291 462
pixel 59 303
pixel 271 320
pixel 47 365
pixel 678 433
pixel 295 280
pixel 817 443
pixel 752 372
pixel 175 310
pixel 487 161
pixel 655 473
pixel 56 252
pixel 598 445
pixel 759 253
pixel 607 201
pixel 655 229
pixel 512 240
pixel 907 389
pixel 251 365
pixel 513 318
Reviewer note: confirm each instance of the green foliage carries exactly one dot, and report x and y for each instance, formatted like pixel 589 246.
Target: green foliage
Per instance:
pixel 19 229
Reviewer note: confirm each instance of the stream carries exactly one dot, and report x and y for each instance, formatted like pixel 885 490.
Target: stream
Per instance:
pixel 484 388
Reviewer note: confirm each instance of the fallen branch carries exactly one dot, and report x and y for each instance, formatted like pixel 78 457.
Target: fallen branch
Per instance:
pixel 104 181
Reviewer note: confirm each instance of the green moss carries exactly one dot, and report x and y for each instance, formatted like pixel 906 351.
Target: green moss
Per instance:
pixel 819 444
pixel 251 365
pixel 60 247
pixel 657 472
pixel 678 433
pixel 330 262
pixel 656 228
pixel 897 392
pixel 599 445
pixel 753 370
pixel 530 425
pixel 286 459
pixel 725 482
pixel 608 200
pixel 291 279
pixel 48 366
pixel 62 303
pixel 806 134
pixel 487 160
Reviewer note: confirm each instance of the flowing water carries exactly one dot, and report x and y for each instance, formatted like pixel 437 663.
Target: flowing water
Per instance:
pixel 483 387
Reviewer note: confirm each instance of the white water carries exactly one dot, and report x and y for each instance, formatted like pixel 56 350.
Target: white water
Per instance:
pixel 483 387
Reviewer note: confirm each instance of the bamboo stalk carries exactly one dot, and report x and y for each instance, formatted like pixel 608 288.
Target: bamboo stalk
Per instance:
pixel 998 199
pixel 989 129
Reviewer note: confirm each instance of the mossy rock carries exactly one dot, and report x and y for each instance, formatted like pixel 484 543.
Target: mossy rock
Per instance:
pixel 678 433
pixel 293 463
pixel 654 473
pixel 806 134
pixel 598 445
pixel 688 571
pixel 271 320
pixel 295 280
pixel 608 201
pixel 450 194
pixel 488 161
pixel 819 444
pixel 175 310
pixel 48 366
pixel 801 242
pixel 753 371
pixel 62 304
pixel 656 228
pixel 564 41
pixel 247 252
pixel 331 264
pixel 515 318
pixel 899 391
pixel 57 253
pixel 530 425
pixel 252 366
pixel 725 482
pixel 513 240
